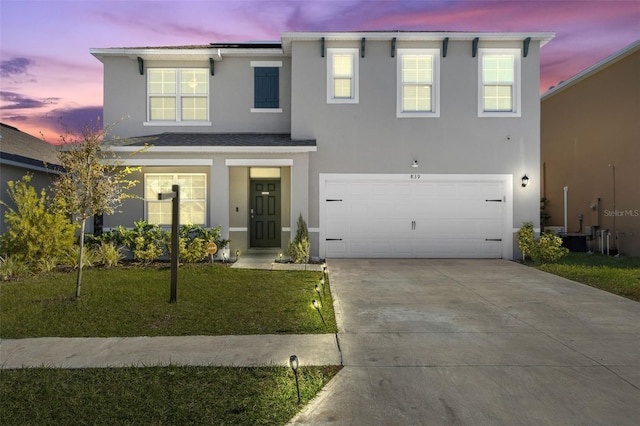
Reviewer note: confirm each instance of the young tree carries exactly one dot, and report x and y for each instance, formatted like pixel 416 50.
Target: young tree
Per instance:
pixel 91 183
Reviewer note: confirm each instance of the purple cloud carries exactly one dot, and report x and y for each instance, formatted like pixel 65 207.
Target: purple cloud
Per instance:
pixel 18 101
pixel 14 66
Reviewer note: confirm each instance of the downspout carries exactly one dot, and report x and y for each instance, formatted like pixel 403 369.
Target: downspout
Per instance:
pixel 566 204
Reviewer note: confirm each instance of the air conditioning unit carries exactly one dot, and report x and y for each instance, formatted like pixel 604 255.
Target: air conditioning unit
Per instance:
pixel 557 230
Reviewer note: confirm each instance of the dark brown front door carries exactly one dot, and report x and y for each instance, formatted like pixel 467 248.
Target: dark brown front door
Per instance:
pixel 265 213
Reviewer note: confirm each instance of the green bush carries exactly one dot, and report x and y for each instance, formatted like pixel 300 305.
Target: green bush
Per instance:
pixel 298 249
pixel 37 227
pixel 547 248
pixel 144 241
pixel 46 264
pixel 89 257
pixel 13 267
pixel 109 254
pixel 526 239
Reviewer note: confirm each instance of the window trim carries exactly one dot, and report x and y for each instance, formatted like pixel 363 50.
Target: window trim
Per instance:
pixel 175 180
pixel 178 96
pixel 435 84
pixel 517 82
pixel 355 55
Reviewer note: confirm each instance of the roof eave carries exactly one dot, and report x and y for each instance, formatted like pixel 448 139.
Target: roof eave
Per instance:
pixel 593 69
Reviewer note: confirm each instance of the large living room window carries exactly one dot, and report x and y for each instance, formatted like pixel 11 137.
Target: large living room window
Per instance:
pixel 342 75
pixel 178 95
pixel 193 190
pixel 499 85
pixel 418 83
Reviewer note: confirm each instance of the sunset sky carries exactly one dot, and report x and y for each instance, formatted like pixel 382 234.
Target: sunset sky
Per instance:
pixel 48 76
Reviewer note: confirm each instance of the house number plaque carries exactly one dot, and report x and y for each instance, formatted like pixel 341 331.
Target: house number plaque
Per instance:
pixel 415 177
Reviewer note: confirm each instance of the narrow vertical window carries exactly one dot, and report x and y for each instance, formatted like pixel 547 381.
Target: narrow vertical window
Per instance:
pixel 342 75
pixel 499 91
pixel 418 91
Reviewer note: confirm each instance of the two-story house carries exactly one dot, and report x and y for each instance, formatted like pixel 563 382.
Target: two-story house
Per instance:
pixel 389 144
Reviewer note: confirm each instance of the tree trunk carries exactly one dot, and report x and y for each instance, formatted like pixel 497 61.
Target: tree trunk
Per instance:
pixel 80 262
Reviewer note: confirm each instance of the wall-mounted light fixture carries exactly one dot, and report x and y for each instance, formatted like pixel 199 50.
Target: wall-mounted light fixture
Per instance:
pixel 525 180
pixel 414 164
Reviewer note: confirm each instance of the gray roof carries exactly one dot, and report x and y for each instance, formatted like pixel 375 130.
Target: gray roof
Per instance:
pixel 218 139
pixel 23 148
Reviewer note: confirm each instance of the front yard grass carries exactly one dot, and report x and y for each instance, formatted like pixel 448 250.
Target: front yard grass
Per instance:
pixel 157 395
pixel 617 275
pixel 212 300
pixel 124 302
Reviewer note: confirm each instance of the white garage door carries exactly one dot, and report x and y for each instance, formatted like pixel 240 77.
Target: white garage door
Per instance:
pixel 428 216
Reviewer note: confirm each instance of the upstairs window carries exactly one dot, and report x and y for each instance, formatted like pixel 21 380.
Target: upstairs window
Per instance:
pixel 193 190
pixel 266 86
pixel 499 86
pixel 178 95
pixel 418 76
pixel 342 75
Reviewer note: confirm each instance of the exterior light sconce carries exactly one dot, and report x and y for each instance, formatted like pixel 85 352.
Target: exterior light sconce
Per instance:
pixel 414 164
pixel 525 180
pixel 293 363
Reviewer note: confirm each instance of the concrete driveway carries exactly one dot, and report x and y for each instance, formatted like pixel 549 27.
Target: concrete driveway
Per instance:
pixel 483 342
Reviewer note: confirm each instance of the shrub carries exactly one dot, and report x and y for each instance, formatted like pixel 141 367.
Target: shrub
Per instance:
pixel 37 227
pixel 548 247
pixel 109 254
pixel 526 240
pixel 13 266
pixel 299 248
pixel 144 241
pixel 89 257
pixel 46 264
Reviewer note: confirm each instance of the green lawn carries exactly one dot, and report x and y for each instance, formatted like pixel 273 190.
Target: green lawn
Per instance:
pixel 212 300
pixel 157 395
pixel 618 275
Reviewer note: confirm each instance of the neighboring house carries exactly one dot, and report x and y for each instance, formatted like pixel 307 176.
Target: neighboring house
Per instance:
pixel 21 154
pixel 590 143
pixel 389 144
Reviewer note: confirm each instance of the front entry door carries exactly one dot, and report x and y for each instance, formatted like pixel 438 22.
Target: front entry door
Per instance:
pixel 265 213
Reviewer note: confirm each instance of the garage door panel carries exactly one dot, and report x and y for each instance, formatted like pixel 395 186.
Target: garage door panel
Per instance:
pixel 436 218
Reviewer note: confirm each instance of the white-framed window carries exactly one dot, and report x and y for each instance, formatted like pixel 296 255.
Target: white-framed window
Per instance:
pixel 499 86
pixel 177 95
pixel 418 81
pixel 193 197
pixel 342 75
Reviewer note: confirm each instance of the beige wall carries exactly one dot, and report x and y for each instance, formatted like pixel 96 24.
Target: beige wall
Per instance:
pixel 591 130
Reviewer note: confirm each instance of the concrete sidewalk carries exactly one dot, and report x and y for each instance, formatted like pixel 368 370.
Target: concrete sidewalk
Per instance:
pixel 233 351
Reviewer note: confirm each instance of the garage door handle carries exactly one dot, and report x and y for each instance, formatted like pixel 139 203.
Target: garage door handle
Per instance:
pixel 334 239
pixel 493 201
pixel 333 200
pixel 493 239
